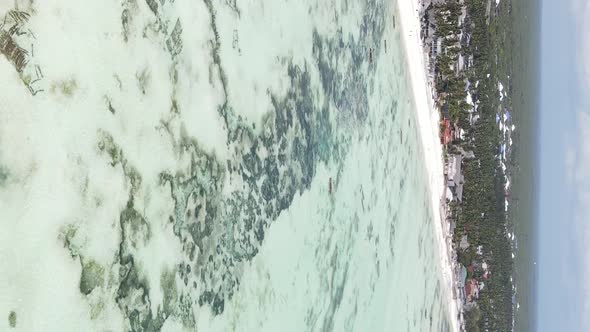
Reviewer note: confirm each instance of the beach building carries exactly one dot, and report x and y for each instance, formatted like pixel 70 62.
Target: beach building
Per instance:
pixel 463 244
pixel 461 280
pixel 473 117
pixel 471 290
pixel 446 133
pixel 459 133
pixel 466 154
pixel 455 179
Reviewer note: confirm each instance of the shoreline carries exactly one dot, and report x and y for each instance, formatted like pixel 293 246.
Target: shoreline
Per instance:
pixel 428 124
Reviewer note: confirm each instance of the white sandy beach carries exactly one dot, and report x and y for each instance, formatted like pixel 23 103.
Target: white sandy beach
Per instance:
pixel 428 123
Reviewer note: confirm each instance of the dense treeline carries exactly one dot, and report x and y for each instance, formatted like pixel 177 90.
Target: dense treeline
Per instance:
pixel 450 81
pixel 481 214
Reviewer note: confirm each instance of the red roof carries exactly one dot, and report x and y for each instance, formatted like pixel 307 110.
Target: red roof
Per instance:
pixel 445 135
pixel 470 289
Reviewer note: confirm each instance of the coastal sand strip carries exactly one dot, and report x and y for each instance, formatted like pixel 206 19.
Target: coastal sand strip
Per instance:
pixel 428 124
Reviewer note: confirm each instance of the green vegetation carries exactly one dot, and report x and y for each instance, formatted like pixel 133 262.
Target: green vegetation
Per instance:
pixel 168 285
pixel 450 82
pixel 66 88
pixel 3 175
pixel 143 80
pixel 481 216
pixel 92 277
pixel 12 319
pixel 523 30
pixel 67 235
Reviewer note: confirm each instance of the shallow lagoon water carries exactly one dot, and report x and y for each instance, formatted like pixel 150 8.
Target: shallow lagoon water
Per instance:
pixel 174 171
